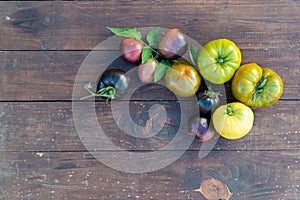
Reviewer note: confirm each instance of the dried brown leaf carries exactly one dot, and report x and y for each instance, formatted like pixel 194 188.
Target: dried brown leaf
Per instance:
pixel 213 189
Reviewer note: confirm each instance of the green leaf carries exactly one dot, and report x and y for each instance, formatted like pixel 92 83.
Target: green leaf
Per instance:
pixel 194 52
pixel 152 37
pixel 161 70
pixel 126 32
pixel 146 54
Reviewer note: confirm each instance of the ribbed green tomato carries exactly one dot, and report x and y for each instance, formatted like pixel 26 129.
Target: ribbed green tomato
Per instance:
pixel 233 120
pixel 218 60
pixel 182 79
pixel 256 87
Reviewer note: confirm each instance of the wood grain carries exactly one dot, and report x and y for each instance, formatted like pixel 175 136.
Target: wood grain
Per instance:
pixel 48 75
pixel 77 175
pixel 82 25
pixel 40 126
pixel 42 48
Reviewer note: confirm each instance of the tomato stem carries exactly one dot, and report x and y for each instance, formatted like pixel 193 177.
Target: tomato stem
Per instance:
pixel 229 110
pixel 259 87
pixel 220 60
pixel 211 93
pixel 107 92
pixel 146 45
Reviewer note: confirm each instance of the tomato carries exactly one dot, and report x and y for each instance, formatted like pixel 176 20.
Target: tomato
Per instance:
pixel 200 129
pixel 256 87
pixel 113 83
pixel 131 50
pixel 218 60
pixel 208 100
pixel 173 44
pixel 115 78
pixel 146 70
pixel 182 79
pixel 233 120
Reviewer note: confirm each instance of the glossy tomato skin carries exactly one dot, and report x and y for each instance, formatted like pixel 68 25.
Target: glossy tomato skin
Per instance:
pixel 115 78
pixel 255 86
pixel 218 60
pixel 208 100
pixel 146 71
pixel 173 44
pixel 233 120
pixel 200 129
pixel 131 50
pixel 182 79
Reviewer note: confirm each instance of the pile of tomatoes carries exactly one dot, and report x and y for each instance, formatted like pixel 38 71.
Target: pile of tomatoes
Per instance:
pixel 218 62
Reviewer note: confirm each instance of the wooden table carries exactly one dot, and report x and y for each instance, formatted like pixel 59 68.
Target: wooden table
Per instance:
pixel 43 45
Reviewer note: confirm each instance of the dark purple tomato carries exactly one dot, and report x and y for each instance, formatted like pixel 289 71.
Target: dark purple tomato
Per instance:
pixel 173 44
pixel 208 100
pixel 199 127
pixel 146 70
pixel 131 50
pixel 113 83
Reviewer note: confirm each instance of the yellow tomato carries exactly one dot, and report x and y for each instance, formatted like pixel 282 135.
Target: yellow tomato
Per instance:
pixel 233 120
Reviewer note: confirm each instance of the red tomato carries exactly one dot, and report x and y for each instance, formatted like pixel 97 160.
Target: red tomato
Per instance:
pixel 173 44
pixel 131 50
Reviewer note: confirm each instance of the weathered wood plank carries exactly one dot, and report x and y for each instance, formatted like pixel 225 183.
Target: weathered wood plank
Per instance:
pixel 39 126
pixel 77 175
pixel 39 75
pixel 48 75
pixel 82 25
pixel 42 46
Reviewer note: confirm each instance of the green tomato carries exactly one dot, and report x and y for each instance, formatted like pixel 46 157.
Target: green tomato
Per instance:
pixel 218 60
pixel 256 87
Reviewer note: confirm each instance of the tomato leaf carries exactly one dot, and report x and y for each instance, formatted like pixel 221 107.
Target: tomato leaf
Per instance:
pixel 161 70
pixel 126 32
pixel 146 54
pixel 194 52
pixel 152 37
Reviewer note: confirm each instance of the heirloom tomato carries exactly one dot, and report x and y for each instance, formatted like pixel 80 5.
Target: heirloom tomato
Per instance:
pixel 233 120
pixel 199 127
pixel 256 87
pixel 131 50
pixel 208 100
pixel 113 83
pixel 182 79
pixel 218 60
pixel 173 44
pixel 116 79
pixel 146 70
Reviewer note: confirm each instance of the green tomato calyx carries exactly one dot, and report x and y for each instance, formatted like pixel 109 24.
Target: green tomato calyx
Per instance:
pixel 259 87
pixel 229 110
pixel 220 60
pixel 107 92
pixel 211 93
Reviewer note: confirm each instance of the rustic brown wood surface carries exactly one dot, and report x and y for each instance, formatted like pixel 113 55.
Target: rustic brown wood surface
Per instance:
pixel 42 47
